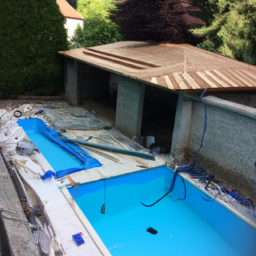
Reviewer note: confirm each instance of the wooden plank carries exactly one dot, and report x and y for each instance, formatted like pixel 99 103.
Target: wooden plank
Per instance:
pixel 208 81
pixel 14 220
pixel 249 73
pixel 240 78
pixel 225 78
pixel 215 77
pixel 198 80
pixel 191 81
pixel 246 77
pixel 168 82
pixel 157 71
pixel 153 80
pixel 180 81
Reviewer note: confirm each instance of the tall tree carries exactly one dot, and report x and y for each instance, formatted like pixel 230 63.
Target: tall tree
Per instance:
pixel 31 33
pixel 159 20
pixel 232 30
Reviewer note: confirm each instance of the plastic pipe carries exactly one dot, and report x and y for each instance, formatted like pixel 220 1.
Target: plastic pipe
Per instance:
pixel 111 149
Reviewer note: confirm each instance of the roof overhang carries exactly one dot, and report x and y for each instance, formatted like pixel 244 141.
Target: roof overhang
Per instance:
pixel 173 67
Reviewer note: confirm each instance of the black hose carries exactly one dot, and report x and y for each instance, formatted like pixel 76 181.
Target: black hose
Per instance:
pixel 185 191
pixel 17 113
pixel 186 169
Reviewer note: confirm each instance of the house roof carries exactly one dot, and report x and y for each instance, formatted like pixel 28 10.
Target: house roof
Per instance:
pixel 170 66
pixel 68 11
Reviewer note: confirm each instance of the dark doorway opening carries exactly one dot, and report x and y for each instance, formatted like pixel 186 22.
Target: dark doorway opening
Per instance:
pixel 159 115
pixel 99 92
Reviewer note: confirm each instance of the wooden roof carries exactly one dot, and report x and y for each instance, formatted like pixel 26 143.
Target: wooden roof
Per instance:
pixel 170 66
pixel 68 11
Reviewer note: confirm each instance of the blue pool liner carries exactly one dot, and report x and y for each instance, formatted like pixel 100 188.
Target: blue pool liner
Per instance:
pixel 234 230
pixel 37 125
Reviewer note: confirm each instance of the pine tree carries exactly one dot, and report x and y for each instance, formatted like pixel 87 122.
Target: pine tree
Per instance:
pixel 232 30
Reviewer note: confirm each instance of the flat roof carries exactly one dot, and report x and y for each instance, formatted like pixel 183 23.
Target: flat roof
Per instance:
pixel 176 67
pixel 68 11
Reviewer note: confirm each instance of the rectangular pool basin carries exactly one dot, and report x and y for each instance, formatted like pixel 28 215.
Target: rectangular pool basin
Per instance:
pixel 65 158
pixel 191 227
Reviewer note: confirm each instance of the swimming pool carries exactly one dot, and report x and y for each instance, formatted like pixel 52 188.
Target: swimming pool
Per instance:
pixel 65 158
pixel 191 227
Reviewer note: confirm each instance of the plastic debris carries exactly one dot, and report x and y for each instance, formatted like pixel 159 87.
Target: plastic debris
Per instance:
pixel 48 174
pixel 17 113
pixel 78 239
pixel 152 231
pixel 26 148
pixel 39 111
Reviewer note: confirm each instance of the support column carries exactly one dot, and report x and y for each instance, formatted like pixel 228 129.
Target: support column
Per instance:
pixel 129 109
pixel 181 131
pixel 73 81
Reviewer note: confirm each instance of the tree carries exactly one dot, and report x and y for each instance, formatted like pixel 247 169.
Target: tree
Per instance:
pixel 31 33
pixel 72 3
pixel 158 20
pixel 98 28
pixel 232 32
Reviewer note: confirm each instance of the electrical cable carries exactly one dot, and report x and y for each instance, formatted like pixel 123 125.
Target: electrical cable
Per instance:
pixel 189 168
pixel 185 191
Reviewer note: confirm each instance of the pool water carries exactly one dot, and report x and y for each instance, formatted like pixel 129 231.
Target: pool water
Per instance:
pixel 57 157
pixel 192 227
pixel 64 157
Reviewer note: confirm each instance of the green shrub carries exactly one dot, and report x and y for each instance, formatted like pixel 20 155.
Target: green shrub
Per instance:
pixel 98 28
pixel 31 33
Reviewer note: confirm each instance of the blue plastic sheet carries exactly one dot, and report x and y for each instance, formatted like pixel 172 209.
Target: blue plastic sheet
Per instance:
pixel 37 125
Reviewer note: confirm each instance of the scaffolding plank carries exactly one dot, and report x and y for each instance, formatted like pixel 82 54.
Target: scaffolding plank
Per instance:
pixel 14 220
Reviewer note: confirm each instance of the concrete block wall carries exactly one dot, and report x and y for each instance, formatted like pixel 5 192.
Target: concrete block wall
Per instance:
pixel 229 149
pixel 72 81
pixel 245 98
pixel 129 109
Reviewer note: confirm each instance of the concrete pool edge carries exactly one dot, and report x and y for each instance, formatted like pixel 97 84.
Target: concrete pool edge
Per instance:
pixel 85 222
pixel 238 214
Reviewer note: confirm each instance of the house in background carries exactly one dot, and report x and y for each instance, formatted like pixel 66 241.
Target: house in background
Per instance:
pixel 72 16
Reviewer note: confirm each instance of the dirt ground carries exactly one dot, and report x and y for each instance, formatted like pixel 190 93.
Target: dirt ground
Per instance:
pixel 102 107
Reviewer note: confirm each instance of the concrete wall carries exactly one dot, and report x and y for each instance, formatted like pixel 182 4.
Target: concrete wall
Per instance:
pixel 83 81
pixel 229 149
pixel 72 81
pixel 71 25
pixel 244 98
pixel 129 109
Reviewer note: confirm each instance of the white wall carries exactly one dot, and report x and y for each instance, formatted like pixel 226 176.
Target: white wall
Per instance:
pixel 71 25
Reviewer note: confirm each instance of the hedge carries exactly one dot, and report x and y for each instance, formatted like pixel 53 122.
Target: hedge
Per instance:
pixel 31 33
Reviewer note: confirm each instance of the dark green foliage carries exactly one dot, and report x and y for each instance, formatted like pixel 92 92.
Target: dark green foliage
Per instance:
pixel 232 31
pixel 209 9
pixel 95 32
pixel 98 28
pixel 72 3
pixel 31 33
